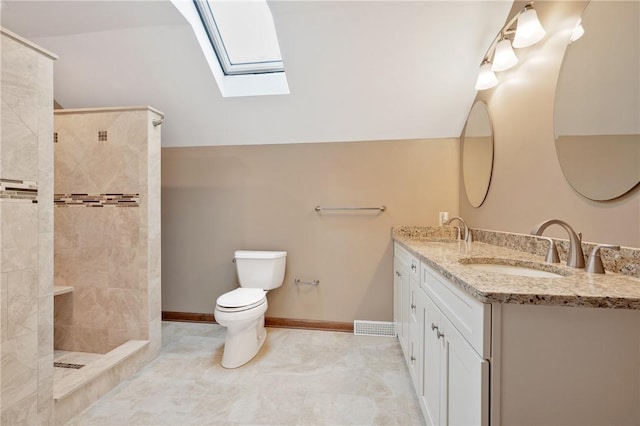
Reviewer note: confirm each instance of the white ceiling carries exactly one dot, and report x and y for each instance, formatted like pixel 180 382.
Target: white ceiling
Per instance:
pixel 359 70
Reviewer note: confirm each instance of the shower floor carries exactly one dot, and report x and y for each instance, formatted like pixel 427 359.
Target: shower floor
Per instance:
pixel 72 360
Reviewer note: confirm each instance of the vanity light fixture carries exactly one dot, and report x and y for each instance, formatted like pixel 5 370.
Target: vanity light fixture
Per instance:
pixel 529 30
pixel 486 77
pixel 577 32
pixel 526 31
pixel 504 57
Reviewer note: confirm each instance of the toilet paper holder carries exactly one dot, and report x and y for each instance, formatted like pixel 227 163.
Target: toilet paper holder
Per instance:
pixel 314 282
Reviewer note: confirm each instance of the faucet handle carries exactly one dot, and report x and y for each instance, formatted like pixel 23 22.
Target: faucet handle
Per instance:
pixel 594 264
pixel 552 252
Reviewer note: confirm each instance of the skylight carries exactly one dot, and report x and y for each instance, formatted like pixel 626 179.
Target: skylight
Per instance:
pixel 242 34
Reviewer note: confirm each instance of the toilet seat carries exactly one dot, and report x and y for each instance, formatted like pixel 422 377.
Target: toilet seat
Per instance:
pixel 241 299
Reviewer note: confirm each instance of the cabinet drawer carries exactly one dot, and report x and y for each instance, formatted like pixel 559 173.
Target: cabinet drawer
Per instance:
pixel 469 316
pixel 410 261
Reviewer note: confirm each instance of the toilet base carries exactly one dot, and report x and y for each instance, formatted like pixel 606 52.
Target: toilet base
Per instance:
pixel 244 337
pixel 241 346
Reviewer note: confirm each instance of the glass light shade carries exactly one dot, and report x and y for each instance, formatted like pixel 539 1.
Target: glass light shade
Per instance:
pixel 529 30
pixel 577 32
pixel 504 57
pixel 486 78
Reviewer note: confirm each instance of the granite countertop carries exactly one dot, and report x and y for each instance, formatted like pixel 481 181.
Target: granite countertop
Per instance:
pixel 574 288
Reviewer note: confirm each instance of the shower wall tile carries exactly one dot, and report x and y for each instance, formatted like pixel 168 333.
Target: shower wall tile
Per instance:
pixel 155 301
pixel 45 262
pixel 45 146
pixel 17 157
pixel 91 339
pixel 20 81
pixel 19 236
pixel 45 382
pixel 45 326
pixel 118 336
pixel 116 267
pixel 81 267
pixel 19 378
pixel 22 292
pixel 4 304
pixel 100 164
pixel 63 311
pixel 23 412
pixel 19 74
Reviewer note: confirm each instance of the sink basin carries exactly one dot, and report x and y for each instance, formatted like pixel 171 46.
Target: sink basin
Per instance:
pixel 521 269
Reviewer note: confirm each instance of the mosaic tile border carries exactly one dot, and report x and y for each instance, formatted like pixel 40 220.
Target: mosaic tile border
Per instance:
pixel 97 200
pixel 22 191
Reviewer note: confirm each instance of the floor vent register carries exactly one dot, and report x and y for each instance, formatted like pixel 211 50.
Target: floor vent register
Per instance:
pixel 374 328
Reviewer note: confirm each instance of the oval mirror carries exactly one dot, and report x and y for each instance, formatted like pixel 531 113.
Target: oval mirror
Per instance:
pixel 477 154
pixel 597 105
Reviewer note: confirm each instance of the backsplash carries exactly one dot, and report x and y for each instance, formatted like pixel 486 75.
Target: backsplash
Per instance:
pixel 625 262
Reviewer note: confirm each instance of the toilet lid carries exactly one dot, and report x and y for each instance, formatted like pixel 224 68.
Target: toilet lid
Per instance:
pixel 241 297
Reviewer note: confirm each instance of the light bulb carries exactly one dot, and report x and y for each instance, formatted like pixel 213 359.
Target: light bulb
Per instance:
pixel 486 77
pixel 529 30
pixel 504 57
pixel 577 32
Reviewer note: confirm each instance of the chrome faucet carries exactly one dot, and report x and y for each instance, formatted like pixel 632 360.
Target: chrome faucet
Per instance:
pixel 575 258
pixel 467 233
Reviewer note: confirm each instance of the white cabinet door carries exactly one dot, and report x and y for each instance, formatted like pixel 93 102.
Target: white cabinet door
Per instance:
pixel 416 332
pixel 466 387
pixel 401 305
pixel 397 296
pixel 431 371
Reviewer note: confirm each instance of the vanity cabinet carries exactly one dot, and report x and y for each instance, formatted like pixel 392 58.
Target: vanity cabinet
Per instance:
pixel 455 375
pixel 477 363
pixel 449 374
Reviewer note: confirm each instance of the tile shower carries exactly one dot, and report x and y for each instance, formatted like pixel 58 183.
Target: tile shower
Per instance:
pixel 88 223
pixel 105 244
pixel 106 238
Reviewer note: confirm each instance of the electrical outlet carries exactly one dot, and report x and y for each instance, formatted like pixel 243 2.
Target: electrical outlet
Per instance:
pixel 443 217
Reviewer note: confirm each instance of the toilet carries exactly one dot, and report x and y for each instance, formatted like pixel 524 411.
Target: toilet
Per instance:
pixel 242 310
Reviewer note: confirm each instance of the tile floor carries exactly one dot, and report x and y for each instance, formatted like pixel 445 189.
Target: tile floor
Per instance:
pixel 300 377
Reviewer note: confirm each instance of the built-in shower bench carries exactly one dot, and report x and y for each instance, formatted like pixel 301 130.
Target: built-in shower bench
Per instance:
pixel 61 289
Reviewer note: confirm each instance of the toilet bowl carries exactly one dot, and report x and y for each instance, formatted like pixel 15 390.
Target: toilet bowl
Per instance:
pixel 242 310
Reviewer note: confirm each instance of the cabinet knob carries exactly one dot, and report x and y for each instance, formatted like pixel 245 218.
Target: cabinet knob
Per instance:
pixel 433 326
pixel 413 267
pixel 439 334
pixel 398 273
pixel 413 358
pixel 413 307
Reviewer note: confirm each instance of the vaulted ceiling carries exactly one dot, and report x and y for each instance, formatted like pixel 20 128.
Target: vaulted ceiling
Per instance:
pixel 357 70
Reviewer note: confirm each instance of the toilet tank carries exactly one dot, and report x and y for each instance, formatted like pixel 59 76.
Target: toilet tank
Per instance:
pixel 260 269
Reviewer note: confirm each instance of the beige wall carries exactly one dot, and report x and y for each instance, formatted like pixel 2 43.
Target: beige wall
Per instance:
pixel 527 185
pixel 26 233
pixel 219 199
pixel 110 255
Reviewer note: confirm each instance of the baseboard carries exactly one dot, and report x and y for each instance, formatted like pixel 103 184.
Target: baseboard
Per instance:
pixel 269 322
pixel 308 324
pixel 187 317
